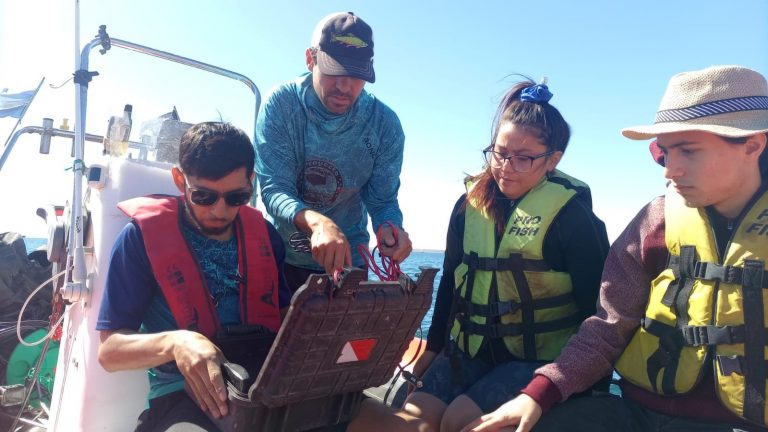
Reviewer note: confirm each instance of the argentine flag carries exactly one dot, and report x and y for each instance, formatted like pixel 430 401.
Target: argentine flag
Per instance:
pixel 14 104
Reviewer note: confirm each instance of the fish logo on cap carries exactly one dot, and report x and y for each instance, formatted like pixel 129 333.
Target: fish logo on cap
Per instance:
pixel 349 40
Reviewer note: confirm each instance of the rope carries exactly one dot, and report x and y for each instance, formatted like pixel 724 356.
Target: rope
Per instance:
pixel 54 325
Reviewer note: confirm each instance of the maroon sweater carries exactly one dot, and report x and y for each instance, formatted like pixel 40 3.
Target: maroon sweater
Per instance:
pixel 634 260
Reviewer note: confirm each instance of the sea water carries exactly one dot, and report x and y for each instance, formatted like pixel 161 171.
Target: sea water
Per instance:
pixel 411 267
pixel 34 243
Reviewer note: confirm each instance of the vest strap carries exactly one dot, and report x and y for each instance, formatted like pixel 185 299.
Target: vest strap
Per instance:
pixel 513 262
pixel 754 345
pixel 710 271
pixel 672 340
pixel 665 357
pixel 696 335
pixel 468 296
pixel 733 364
pixel 712 335
pixel 529 323
pixel 730 364
pixel 509 307
pixel 515 329
pixel 676 297
pixel 683 267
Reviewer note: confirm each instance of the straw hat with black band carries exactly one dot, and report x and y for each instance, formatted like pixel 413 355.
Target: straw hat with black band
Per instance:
pixel 730 101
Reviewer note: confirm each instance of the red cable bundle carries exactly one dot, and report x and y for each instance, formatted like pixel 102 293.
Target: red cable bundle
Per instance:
pixel 388 270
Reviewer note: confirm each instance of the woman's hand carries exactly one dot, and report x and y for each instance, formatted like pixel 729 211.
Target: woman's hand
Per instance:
pixel 522 411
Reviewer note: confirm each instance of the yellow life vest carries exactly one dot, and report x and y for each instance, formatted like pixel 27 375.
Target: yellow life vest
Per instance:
pixel 704 309
pixel 531 305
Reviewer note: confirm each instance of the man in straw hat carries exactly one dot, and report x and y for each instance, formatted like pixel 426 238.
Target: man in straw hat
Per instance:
pixel 329 154
pixel 681 314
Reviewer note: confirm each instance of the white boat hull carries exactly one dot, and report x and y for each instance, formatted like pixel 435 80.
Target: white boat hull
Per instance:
pixel 85 396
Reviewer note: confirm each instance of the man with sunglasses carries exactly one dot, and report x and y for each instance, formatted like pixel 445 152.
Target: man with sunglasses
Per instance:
pixel 185 269
pixel 329 155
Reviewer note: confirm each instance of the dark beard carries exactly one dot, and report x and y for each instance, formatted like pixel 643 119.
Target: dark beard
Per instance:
pixel 212 231
pixel 199 227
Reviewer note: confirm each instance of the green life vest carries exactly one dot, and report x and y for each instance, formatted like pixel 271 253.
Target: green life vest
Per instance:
pixel 512 293
pixel 707 310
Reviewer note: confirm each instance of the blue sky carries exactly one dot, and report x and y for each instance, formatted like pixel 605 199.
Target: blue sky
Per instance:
pixel 442 66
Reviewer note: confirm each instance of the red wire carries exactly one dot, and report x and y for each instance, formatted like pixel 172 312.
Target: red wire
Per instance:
pixel 388 270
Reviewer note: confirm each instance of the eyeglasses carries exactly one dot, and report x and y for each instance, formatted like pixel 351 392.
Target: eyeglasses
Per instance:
pixel 206 197
pixel 520 163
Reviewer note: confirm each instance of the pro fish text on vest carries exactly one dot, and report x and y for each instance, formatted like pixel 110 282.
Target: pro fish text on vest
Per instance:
pixel 759 228
pixel 525 226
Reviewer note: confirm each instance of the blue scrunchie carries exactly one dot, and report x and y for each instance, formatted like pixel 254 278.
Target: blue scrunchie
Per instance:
pixel 538 93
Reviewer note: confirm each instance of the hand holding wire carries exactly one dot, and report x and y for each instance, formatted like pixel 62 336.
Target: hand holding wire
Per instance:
pixel 393 242
pixel 390 256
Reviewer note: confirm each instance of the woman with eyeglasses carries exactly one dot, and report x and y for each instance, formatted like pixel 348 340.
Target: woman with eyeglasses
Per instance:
pixel 523 260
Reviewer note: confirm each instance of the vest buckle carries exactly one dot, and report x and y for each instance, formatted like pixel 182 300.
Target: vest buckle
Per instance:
pixel 710 271
pixel 504 308
pixel 695 335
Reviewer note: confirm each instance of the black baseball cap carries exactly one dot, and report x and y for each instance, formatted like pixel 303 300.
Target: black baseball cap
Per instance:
pixel 344 45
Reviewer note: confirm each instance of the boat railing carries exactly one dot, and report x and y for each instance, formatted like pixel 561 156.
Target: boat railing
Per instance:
pixel 82 77
pixel 77 288
pixel 46 133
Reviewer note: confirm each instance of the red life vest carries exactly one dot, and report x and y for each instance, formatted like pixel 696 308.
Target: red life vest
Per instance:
pixel 180 277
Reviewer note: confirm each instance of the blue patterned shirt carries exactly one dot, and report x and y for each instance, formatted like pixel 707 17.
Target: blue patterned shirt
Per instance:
pixel 345 166
pixel 134 300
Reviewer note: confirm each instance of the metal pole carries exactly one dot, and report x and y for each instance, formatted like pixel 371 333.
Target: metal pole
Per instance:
pixel 81 97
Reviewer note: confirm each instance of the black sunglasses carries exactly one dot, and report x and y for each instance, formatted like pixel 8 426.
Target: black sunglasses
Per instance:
pixel 206 197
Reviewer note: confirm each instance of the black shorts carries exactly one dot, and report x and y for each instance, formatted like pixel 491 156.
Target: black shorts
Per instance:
pixel 487 385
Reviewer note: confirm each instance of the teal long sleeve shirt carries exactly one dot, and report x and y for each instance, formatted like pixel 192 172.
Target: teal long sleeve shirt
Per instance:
pixel 346 166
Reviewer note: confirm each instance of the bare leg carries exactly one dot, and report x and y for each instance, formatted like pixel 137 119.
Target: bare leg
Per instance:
pixel 375 416
pixel 426 407
pixel 459 413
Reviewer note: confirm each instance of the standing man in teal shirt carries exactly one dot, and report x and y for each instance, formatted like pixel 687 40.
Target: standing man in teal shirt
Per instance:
pixel 329 154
